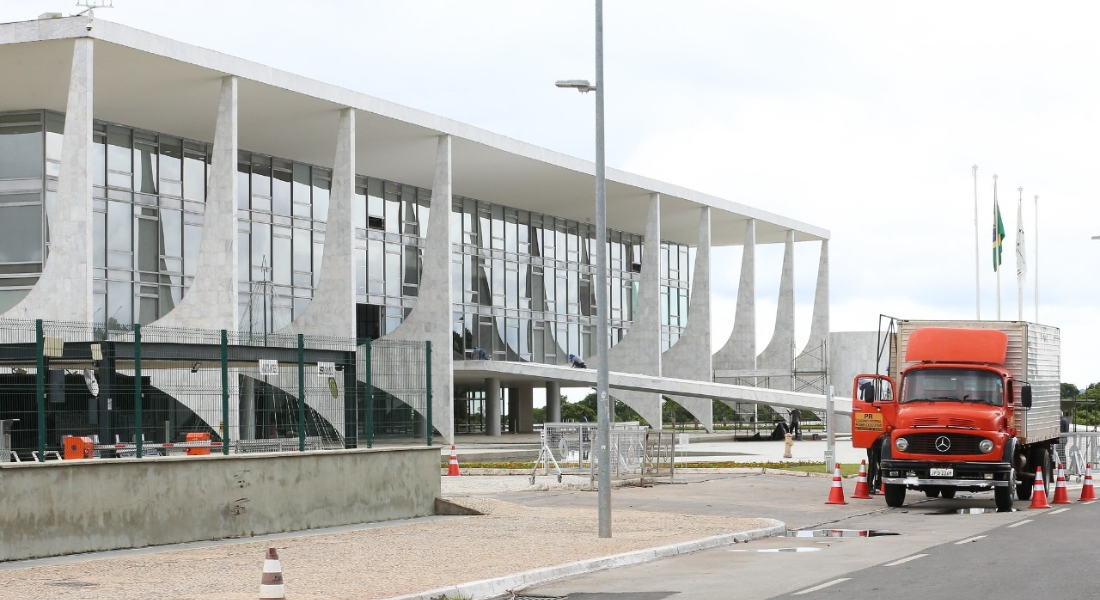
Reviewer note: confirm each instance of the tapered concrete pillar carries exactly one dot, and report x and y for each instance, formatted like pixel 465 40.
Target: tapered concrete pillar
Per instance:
pixel 211 301
pixel 64 291
pixel 739 351
pixel 431 318
pixel 780 352
pixel 332 311
pixel 689 357
pixel 492 406
pixel 813 357
pixel 640 350
pixel 553 402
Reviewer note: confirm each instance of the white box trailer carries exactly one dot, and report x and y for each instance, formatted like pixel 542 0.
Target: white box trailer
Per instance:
pixel 1033 356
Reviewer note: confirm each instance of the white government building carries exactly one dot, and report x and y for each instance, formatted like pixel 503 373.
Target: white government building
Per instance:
pixel 170 184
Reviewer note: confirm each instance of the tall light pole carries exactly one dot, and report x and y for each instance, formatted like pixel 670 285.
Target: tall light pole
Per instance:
pixel 603 400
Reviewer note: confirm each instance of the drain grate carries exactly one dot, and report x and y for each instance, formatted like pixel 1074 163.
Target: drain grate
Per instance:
pixel 771 550
pixel 838 533
pixel 539 598
pixel 72 583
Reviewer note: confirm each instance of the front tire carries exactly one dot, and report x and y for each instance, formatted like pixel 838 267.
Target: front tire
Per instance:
pixel 1002 495
pixel 895 495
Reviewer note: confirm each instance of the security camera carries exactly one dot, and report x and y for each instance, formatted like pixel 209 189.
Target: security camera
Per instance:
pixel 88 27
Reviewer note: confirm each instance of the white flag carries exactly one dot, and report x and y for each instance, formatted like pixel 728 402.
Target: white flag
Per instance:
pixel 1021 248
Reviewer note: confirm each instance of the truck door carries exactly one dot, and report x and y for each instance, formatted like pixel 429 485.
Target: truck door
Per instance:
pixel 870 395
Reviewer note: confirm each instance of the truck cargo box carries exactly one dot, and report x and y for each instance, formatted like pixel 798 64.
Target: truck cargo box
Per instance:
pixel 1033 356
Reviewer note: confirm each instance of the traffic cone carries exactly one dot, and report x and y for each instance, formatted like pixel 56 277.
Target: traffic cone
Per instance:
pixel 863 492
pixel 1039 491
pixel 836 493
pixel 1087 493
pixel 1061 495
pixel 452 469
pixel 271 586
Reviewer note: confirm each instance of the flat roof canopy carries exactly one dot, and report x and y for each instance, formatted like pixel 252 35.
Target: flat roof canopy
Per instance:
pixel 151 82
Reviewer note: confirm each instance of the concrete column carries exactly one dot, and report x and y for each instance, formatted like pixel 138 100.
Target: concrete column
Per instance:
pixel 332 311
pixel 553 402
pixel 211 301
pixel 492 406
pixel 640 350
pixel 780 351
pixel 513 410
pixel 812 358
pixel 739 351
pixel 64 291
pixel 431 318
pixel 247 418
pixel 525 406
pixel 682 359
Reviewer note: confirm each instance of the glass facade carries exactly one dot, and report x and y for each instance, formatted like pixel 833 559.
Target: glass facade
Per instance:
pixel 523 282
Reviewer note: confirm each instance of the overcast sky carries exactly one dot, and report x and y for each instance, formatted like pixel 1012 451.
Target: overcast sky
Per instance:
pixel 863 118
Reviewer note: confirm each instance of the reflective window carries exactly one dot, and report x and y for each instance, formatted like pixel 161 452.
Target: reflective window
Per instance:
pixel 21 233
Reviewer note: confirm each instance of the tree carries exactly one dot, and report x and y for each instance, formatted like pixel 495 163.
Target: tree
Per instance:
pixel 622 411
pixel 724 413
pixel 1069 390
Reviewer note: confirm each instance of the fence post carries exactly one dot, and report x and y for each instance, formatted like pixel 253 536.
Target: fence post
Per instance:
pixel 138 433
pixel 428 348
pixel 351 402
pixel 225 392
pixel 40 386
pixel 301 393
pixel 370 396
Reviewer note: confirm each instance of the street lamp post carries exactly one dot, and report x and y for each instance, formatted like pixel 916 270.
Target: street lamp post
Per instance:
pixel 603 400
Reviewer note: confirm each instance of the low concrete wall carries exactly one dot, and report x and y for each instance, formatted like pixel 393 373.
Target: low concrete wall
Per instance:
pixel 67 507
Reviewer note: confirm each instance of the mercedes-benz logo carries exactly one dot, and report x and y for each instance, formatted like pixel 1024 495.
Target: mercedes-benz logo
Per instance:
pixel 943 443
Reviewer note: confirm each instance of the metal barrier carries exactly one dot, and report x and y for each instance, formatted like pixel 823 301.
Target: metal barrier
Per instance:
pixel 1081 448
pixel 636 452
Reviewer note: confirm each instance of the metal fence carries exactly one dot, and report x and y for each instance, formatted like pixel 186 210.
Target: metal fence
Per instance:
pixel 635 451
pixel 146 391
pixel 1080 449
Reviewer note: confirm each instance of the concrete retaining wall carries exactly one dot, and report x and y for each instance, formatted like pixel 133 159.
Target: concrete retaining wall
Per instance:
pixel 67 507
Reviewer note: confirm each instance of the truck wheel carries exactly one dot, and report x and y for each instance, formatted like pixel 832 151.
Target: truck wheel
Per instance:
pixel 931 491
pixel 1003 495
pixel 948 493
pixel 895 495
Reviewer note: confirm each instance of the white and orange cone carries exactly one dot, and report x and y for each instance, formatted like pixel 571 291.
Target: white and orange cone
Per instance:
pixel 1087 491
pixel 1061 494
pixel 272 586
pixel 863 491
pixel 836 493
pixel 1039 491
pixel 452 468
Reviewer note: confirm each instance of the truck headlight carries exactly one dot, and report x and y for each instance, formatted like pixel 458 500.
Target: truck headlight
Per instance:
pixel 902 444
pixel 986 446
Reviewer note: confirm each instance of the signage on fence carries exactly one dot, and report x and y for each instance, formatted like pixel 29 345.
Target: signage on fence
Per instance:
pixel 326 369
pixel 269 367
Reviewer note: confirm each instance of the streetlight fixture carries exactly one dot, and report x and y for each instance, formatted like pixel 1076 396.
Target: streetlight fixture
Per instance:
pixel 603 400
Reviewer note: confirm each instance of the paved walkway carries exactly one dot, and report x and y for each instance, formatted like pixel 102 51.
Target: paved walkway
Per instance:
pixel 516 542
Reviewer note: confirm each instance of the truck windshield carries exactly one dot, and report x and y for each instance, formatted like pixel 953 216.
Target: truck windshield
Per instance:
pixel 953 385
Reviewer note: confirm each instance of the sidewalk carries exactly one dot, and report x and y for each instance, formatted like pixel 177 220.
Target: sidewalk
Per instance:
pixel 510 546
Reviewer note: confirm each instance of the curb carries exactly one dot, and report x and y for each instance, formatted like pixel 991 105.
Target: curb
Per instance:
pixel 490 588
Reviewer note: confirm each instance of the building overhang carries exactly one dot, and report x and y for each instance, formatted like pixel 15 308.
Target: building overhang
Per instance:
pixel 152 82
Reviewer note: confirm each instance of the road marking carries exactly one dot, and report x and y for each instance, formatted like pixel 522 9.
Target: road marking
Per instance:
pixel 1024 522
pixel 822 586
pixel 1089 502
pixel 968 540
pixel 1060 510
pixel 904 560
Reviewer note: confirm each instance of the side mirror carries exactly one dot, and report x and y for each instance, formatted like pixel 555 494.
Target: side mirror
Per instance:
pixel 1025 395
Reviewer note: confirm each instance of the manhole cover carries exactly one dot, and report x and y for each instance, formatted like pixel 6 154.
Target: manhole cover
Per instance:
pixel 838 533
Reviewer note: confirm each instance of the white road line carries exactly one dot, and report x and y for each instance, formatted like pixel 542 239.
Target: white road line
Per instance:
pixel 822 586
pixel 1060 510
pixel 904 560
pixel 1024 522
pixel 968 540
pixel 1089 502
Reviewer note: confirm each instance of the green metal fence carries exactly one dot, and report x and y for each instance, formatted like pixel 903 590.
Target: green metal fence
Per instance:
pixel 143 391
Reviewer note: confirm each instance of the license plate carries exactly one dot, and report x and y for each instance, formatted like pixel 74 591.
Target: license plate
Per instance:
pixel 941 472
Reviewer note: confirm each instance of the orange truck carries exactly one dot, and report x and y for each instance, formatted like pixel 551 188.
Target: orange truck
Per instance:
pixel 966 405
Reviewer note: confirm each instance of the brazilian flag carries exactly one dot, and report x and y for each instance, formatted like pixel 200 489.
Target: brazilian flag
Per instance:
pixel 998 235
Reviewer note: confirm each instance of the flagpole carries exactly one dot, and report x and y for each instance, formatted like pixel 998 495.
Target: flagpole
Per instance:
pixel 996 265
pixel 1036 258
pixel 1021 256
pixel 977 252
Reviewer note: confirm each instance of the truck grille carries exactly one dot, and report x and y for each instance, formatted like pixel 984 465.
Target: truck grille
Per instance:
pixel 925 443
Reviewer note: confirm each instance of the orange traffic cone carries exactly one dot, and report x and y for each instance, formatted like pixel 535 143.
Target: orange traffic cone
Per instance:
pixel 452 469
pixel 836 493
pixel 1039 491
pixel 863 492
pixel 1087 493
pixel 1061 494
pixel 271 586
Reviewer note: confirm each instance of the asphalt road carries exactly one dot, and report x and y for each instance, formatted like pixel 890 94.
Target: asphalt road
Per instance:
pixel 923 550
